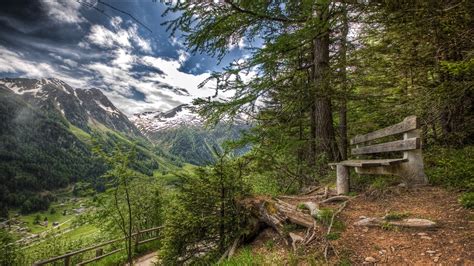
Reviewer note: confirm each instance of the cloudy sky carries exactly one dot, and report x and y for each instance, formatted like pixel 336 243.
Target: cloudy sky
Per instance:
pixel 89 44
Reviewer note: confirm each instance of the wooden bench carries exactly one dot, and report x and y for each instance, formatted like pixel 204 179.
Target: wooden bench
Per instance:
pixel 409 166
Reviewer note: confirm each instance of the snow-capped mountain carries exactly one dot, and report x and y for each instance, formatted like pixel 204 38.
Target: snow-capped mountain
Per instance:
pixel 182 115
pixel 81 107
pixel 181 131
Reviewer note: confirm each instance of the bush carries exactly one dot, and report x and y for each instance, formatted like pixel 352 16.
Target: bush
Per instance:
pixel 453 168
pixel 467 200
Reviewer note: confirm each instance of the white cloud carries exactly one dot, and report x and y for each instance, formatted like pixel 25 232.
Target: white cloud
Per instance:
pixel 65 11
pixel 123 59
pixel 183 56
pixel 124 38
pixel 15 62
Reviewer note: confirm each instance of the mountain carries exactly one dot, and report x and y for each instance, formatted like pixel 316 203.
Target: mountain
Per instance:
pixel 47 133
pixel 80 107
pixel 183 133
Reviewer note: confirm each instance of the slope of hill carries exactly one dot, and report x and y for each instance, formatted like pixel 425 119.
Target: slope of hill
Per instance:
pixel 183 133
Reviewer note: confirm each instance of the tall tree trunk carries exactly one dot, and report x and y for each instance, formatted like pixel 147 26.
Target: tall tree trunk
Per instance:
pixel 324 136
pixel 130 225
pixel 222 209
pixel 343 108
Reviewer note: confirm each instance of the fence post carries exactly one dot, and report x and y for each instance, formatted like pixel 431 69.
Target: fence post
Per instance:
pixel 67 261
pixel 137 239
pixel 99 252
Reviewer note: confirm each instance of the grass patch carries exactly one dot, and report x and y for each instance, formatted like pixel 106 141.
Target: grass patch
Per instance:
pixel 467 200
pixel 244 257
pixel 394 216
pixel 325 216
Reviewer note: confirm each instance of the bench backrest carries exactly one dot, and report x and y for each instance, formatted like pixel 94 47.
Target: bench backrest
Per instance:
pixel 409 142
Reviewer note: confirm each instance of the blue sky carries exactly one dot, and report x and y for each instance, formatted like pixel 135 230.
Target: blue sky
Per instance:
pixel 71 40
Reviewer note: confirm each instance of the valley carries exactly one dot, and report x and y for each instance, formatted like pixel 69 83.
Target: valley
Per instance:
pixel 56 120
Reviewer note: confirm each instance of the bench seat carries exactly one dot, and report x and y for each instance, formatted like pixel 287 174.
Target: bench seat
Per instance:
pixel 410 166
pixel 369 163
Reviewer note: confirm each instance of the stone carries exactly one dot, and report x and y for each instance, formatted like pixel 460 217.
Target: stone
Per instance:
pixel 436 259
pixel 451 242
pixel 370 259
pixel 431 252
pixel 402 185
pixel 422 234
pixel 426 237
pixel 365 229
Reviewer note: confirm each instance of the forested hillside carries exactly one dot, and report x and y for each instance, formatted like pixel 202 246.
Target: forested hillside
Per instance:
pixel 185 134
pixel 44 147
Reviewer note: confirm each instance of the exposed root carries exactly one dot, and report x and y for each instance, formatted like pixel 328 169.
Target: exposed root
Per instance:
pixel 328 243
pixel 312 207
pixel 311 191
pixel 277 213
pixel 295 238
pixel 336 198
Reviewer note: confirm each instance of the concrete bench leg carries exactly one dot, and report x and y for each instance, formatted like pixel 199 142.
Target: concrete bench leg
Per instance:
pixel 342 181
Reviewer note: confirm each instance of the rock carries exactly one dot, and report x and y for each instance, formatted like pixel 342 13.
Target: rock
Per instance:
pixel 451 242
pixel 422 254
pixel 370 259
pixel 410 223
pixel 436 259
pixel 365 229
pixel 402 185
pixel 431 252
pixel 426 237
pixel 422 234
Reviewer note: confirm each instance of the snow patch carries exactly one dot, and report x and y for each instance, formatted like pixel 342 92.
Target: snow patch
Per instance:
pixel 107 109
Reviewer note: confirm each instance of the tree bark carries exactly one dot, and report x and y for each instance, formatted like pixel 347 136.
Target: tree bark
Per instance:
pixel 343 108
pixel 324 137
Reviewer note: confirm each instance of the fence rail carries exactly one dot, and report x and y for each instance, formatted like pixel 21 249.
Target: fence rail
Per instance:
pixel 99 250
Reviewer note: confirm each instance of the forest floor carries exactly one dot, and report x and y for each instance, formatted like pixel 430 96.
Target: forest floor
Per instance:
pixel 450 243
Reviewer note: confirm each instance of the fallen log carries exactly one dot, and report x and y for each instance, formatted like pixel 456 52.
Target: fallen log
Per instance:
pixel 276 213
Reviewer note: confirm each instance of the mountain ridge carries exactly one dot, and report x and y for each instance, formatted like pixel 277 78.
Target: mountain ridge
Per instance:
pixel 184 133
pixel 78 106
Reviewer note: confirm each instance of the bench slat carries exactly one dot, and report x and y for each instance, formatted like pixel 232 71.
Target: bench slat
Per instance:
pixel 409 123
pixel 369 163
pixel 399 145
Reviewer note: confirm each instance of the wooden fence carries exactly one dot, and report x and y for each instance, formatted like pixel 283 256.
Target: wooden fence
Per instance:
pixel 140 238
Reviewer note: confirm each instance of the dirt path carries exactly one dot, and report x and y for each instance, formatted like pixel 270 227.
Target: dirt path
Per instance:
pixel 146 260
pixel 450 244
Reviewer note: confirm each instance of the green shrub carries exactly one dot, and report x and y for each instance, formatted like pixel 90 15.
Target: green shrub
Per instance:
pixel 325 215
pixel 453 168
pixel 467 200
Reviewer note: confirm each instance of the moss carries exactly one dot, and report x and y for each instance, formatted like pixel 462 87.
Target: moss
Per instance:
pixel 393 216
